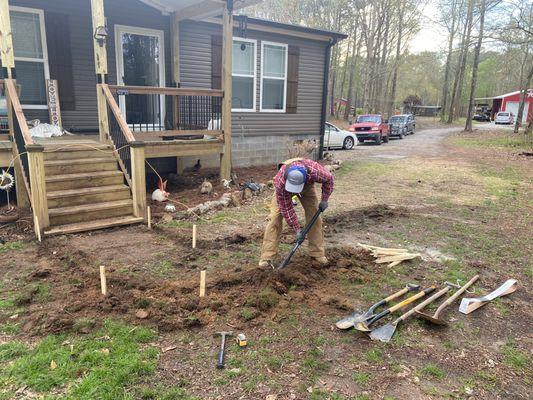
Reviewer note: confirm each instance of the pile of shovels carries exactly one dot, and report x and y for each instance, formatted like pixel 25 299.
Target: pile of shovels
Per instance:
pixel 366 321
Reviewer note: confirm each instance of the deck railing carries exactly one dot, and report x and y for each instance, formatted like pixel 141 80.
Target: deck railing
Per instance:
pixel 153 112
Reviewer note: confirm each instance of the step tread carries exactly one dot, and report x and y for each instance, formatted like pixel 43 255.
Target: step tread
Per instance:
pixel 95 160
pixel 89 207
pixel 93 225
pixel 76 147
pixel 84 191
pixel 81 175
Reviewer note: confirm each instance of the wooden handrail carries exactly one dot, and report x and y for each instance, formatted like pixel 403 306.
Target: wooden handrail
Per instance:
pixel 19 114
pixel 116 112
pixel 166 91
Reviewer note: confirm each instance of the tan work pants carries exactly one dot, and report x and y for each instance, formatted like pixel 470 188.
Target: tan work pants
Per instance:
pixel 309 201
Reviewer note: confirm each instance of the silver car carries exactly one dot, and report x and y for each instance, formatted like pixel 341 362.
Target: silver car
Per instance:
pixel 338 138
pixel 506 118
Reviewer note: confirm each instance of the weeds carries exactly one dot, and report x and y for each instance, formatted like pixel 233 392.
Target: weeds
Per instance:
pixel 431 371
pixel 4 248
pixel 514 357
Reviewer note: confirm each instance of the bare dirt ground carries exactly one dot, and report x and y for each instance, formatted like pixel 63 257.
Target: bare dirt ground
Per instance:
pixel 465 206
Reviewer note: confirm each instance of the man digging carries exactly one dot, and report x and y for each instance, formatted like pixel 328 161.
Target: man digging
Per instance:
pixel 297 177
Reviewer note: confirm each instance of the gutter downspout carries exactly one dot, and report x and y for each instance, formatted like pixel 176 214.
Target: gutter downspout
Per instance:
pixel 327 61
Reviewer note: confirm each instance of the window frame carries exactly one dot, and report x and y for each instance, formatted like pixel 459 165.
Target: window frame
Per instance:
pixel 44 60
pixel 254 106
pixel 286 47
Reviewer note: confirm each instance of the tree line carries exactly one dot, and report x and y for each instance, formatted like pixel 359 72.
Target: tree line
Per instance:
pixel 485 50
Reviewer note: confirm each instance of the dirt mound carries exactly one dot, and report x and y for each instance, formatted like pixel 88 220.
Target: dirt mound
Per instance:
pixel 364 217
pixel 242 295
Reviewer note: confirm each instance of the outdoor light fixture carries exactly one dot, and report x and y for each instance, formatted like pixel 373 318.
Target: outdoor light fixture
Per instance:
pixel 100 34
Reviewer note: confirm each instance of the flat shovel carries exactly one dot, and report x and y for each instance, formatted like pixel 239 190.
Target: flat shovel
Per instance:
pixel 299 242
pixel 358 316
pixel 435 318
pixel 469 305
pixel 364 326
pixel 386 332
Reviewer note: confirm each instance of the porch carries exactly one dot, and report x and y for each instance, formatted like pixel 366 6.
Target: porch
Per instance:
pixel 83 182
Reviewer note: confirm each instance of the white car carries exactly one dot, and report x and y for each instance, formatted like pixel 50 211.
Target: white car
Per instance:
pixel 338 138
pixel 504 118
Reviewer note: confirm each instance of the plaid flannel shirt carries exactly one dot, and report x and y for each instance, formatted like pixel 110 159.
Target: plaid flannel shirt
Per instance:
pixel 315 173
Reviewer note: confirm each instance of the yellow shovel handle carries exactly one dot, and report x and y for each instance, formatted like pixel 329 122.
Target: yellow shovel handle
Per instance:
pixel 411 299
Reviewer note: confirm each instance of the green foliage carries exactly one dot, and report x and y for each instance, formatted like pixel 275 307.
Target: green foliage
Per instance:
pixel 160 392
pixel 374 356
pixel 431 371
pixel 361 378
pixel 101 365
pixel 514 357
pixel 265 299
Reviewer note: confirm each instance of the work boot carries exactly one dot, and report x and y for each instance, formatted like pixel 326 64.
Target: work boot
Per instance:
pixel 321 260
pixel 265 263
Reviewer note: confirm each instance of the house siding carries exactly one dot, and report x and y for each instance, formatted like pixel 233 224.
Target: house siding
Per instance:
pixel 260 137
pixel 121 12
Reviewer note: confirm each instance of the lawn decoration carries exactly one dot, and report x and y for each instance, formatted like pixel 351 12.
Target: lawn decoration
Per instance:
pixel 6 183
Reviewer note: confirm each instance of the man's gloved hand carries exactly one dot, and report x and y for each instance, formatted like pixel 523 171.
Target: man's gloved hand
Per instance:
pixel 300 236
pixel 323 205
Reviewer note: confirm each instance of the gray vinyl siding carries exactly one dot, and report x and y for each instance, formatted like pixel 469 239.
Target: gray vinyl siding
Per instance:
pixel 195 54
pixel 122 12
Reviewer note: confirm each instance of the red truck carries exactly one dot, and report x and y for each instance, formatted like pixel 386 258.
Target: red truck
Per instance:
pixel 371 127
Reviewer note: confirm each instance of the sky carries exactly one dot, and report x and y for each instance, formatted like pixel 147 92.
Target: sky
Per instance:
pixel 431 36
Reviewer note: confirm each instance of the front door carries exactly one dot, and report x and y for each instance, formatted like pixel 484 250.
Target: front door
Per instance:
pixel 141 62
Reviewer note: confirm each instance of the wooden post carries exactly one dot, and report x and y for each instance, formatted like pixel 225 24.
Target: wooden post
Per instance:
pixel 100 62
pixel 180 165
pixel 194 236
pixel 149 217
pixel 23 198
pixel 227 49
pixel 138 178
pixel 6 38
pixel 202 283
pixel 103 280
pixel 38 185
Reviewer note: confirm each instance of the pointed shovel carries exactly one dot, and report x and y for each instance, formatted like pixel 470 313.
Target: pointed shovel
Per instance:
pixel 364 326
pixel 386 332
pixel 358 316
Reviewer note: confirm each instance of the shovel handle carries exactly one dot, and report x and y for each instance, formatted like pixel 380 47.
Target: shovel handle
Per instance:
pixel 396 295
pixel 411 299
pixel 423 304
pixel 455 296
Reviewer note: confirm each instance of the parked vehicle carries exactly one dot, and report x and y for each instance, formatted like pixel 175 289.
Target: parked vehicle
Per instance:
pixel 481 117
pixel 402 125
pixel 371 127
pixel 506 118
pixel 335 137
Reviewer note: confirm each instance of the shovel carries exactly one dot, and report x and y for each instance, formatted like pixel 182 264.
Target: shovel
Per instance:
pixel 385 332
pixel 299 242
pixel 364 325
pixel 358 316
pixel 435 317
pixel 469 305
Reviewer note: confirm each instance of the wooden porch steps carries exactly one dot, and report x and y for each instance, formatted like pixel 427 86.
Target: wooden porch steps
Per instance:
pixel 85 189
pixel 93 225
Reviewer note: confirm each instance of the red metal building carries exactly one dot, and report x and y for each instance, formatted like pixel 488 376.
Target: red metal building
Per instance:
pixel 509 102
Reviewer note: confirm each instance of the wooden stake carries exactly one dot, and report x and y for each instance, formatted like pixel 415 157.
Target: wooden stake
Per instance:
pixel 37 229
pixel 194 236
pixel 202 283
pixel 149 216
pixel 103 280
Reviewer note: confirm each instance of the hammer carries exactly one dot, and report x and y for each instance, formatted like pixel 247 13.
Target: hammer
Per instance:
pixel 220 361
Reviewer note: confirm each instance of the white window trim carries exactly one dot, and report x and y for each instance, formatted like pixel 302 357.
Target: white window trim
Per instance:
pixel 254 107
pixel 286 46
pixel 119 29
pixel 44 60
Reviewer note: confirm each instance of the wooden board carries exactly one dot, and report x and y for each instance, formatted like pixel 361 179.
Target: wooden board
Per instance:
pixel 165 90
pixel 183 148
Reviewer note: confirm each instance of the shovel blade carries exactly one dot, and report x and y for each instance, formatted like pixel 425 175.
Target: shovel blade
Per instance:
pixel 431 318
pixel 383 333
pixel 352 320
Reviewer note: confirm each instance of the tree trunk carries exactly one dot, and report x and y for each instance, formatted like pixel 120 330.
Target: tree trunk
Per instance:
pixel 470 114
pixel 448 65
pixel 523 95
pixel 458 82
pixel 353 64
pixel 396 64
pixel 343 81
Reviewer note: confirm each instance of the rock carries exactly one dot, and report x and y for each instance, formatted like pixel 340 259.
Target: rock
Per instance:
pixel 247 194
pixel 271 397
pixel 166 218
pixel 170 208
pixel 310 389
pixel 141 314
pixel 469 391
pixel 206 188
pixel 236 199
pixel 416 379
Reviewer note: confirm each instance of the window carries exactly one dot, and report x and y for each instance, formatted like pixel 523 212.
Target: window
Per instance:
pixel 274 77
pixel 244 75
pixel 31 58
